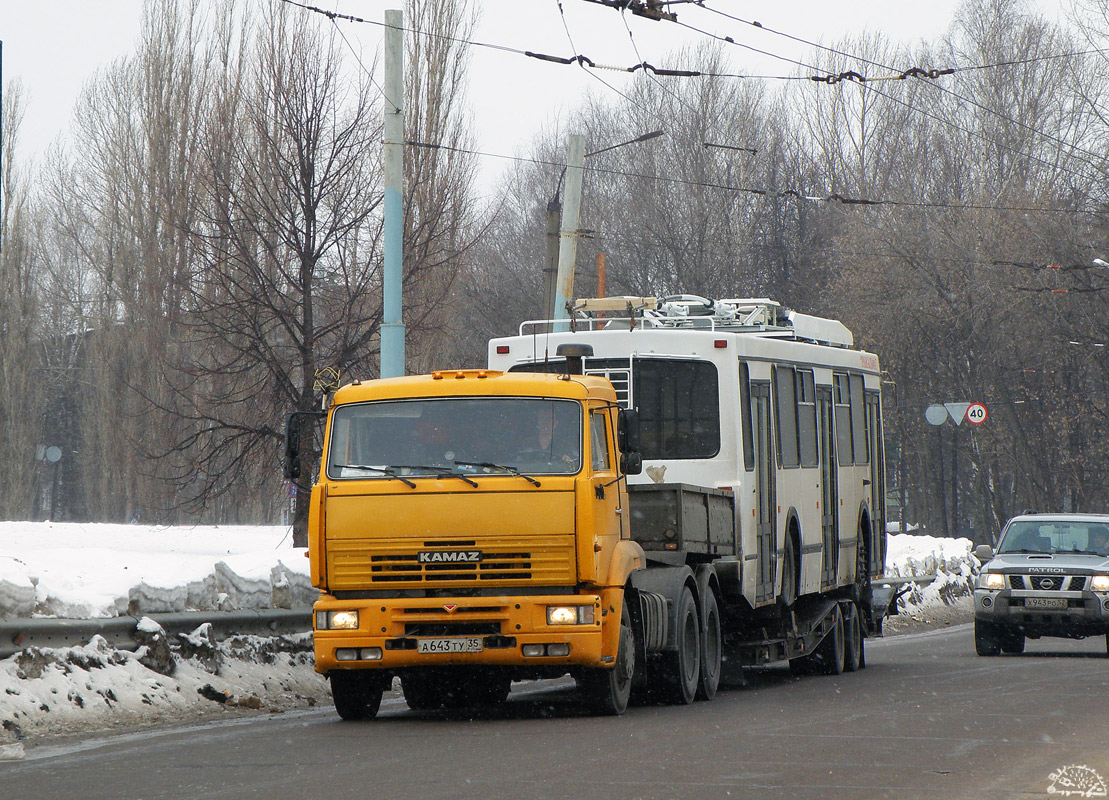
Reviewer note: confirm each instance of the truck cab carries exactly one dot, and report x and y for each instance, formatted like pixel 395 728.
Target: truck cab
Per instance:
pixel 468 528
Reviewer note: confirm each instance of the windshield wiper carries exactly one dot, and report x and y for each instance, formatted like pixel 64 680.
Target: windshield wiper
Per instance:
pixel 503 467
pixel 387 471
pixel 446 472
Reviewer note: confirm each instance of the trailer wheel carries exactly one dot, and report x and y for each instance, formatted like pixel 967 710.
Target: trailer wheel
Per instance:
pixel 680 672
pixel 852 640
pixel 828 655
pixel 607 691
pixel 357 693
pixel 711 644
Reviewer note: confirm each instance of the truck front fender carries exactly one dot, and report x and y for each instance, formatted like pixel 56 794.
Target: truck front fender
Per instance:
pixel 627 557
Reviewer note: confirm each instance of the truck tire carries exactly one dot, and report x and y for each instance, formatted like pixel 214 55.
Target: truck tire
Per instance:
pixel 476 689
pixel 607 691
pixel 852 640
pixel 422 692
pixel 829 654
pixel 711 646
pixel 680 672
pixel 357 693
pixel 987 638
pixel 1012 641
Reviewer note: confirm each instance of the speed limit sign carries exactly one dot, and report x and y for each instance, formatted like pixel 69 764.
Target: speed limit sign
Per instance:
pixel 976 414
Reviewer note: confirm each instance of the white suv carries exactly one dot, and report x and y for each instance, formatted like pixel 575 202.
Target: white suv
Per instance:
pixel 1049 577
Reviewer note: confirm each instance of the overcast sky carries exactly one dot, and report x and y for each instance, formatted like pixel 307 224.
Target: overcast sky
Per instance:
pixel 55 46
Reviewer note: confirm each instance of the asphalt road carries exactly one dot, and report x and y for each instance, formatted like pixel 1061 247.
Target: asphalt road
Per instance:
pixel 926 718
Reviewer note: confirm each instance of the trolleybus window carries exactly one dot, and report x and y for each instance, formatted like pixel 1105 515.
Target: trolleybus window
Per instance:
pixel 806 417
pixel 784 383
pixel 842 397
pixel 858 421
pixel 745 416
pixel 679 408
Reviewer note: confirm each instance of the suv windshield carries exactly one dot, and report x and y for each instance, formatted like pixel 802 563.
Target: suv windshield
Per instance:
pixel 1055 536
pixel 493 435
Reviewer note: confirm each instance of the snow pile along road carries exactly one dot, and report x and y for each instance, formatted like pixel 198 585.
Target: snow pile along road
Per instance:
pixel 108 570
pixel 950 560
pixel 80 571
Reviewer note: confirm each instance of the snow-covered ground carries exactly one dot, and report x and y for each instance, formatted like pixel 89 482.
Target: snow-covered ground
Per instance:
pixel 81 571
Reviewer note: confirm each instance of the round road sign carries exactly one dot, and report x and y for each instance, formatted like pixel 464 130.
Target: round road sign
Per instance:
pixel 935 414
pixel 977 413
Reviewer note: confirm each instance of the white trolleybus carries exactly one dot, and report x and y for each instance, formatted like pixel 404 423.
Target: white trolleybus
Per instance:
pixel 760 431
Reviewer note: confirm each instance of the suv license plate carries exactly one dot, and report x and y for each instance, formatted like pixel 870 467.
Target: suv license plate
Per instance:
pixel 453 645
pixel 1044 602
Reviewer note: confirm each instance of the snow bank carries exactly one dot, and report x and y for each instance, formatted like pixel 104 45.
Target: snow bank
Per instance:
pixel 80 571
pixel 950 560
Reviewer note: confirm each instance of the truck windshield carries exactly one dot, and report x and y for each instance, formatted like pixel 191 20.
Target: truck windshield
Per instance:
pixel 466 436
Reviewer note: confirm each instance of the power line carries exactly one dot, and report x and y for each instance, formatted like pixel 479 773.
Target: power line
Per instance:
pixel 800 195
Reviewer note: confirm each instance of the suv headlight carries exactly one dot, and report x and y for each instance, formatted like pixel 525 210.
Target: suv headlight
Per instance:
pixel 991 580
pixel 1100 583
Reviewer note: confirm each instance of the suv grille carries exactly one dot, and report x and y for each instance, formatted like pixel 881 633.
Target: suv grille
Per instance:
pixel 1048 583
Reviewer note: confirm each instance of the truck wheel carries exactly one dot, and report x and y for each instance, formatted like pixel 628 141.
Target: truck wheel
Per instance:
pixel 829 654
pixel 357 693
pixel 987 638
pixel 852 640
pixel 1012 641
pixel 607 691
pixel 680 672
pixel 711 644
pixel 476 689
pixel 422 692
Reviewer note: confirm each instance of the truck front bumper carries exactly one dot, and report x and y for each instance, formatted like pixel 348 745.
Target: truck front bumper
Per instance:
pixel 508 631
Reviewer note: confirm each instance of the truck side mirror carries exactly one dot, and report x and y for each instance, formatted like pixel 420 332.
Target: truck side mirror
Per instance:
pixel 631 463
pixel 627 430
pixel 983 553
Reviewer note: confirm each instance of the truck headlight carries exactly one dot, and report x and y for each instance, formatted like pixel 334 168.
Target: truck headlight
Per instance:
pixel 337 620
pixel 991 580
pixel 1100 583
pixel 569 615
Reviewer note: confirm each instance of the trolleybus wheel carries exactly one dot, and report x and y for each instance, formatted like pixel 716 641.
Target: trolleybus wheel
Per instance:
pixel 852 640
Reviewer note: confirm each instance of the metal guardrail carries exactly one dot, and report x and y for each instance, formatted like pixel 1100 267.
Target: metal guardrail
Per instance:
pixel 19 634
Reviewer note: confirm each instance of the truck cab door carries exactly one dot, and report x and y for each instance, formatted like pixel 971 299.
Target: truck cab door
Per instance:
pixel 609 518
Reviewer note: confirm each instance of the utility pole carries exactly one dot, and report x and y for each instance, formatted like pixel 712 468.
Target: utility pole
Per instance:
pixel 392 329
pixel 568 235
pixel 550 270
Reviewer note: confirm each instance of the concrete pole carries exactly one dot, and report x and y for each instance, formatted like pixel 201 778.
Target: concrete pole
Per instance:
pixel 392 329
pixel 568 236
pixel 550 269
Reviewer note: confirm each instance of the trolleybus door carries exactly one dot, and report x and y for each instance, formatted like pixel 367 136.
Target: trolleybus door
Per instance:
pixel 829 499
pixel 875 555
pixel 764 492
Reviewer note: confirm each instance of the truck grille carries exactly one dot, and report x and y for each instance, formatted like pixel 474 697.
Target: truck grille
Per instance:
pixel 362 564
pixel 1048 583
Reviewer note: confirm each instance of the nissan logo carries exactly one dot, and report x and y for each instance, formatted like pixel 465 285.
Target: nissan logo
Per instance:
pixel 1047 583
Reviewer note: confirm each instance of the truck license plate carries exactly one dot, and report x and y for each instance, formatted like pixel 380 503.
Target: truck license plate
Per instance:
pixel 1044 602
pixel 452 645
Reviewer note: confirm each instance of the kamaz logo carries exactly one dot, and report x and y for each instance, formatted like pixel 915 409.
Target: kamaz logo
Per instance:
pixel 449 556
